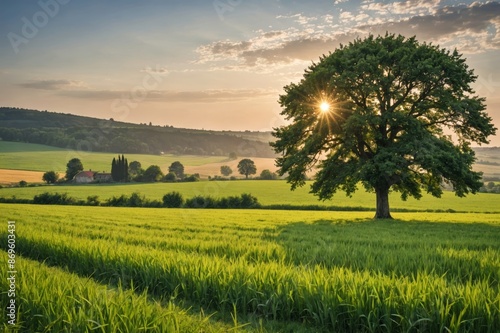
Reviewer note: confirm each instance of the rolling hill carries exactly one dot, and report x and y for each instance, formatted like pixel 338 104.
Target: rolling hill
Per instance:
pixel 100 135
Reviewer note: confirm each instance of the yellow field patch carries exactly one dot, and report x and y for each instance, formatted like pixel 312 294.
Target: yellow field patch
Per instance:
pixel 213 169
pixel 14 176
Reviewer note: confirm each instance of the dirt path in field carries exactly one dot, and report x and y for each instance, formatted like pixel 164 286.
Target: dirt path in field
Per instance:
pixel 14 176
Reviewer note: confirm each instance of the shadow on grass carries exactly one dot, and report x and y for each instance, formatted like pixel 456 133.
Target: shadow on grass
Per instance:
pixel 457 251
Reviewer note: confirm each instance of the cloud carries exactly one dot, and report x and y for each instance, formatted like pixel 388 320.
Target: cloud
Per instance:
pixel 409 7
pixel 205 96
pixel 470 28
pixel 52 84
pixel 158 70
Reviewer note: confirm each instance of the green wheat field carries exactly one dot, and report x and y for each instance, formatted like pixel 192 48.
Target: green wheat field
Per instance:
pixel 197 270
pixel 434 268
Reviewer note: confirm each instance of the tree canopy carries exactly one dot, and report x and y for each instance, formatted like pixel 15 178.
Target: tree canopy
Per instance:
pixel 380 111
pixel 152 174
pixel 50 177
pixel 247 167
pixel 226 170
pixel 177 168
pixel 73 167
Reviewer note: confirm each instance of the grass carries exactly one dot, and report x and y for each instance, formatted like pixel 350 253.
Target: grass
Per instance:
pixel 267 192
pixel 34 157
pixel 317 271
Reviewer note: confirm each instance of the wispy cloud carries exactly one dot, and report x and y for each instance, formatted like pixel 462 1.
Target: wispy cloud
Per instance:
pixel 471 28
pixel 52 84
pixel 205 96
pixel 409 7
pixel 158 70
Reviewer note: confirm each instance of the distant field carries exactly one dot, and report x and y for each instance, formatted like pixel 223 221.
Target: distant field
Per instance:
pixel 253 270
pixel 27 156
pixel 40 158
pixel 14 176
pixel 268 192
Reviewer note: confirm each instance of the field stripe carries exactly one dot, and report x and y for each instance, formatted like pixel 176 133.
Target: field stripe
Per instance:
pixel 53 299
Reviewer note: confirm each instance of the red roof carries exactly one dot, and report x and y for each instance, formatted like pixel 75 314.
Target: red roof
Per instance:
pixel 87 174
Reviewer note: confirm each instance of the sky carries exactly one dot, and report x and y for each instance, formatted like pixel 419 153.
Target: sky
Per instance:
pixel 212 64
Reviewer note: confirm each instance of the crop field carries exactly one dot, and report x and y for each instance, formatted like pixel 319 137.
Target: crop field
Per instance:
pixel 181 270
pixel 267 192
pixel 34 157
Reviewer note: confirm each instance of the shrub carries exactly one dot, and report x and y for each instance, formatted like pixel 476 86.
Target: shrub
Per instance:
pixel 192 178
pixel 201 202
pixel 120 201
pixel 53 199
pixel 153 204
pixel 249 201
pixel 23 183
pixel 170 177
pixel 50 177
pixel 173 200
pixel 93 200
pixel 136 200
pixel 268 175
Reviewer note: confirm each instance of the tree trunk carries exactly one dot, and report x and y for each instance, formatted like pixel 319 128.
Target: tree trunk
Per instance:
pixel 383 211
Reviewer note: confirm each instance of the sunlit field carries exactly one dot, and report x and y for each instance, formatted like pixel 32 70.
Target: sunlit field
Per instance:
pixel 255 270
pixel 267 192
pixel 21 156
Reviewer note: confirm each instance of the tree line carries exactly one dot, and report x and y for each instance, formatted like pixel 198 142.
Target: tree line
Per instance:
pixel 122 171
pixel 90 134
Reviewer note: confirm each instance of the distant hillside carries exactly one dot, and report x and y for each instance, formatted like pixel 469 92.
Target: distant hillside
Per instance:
pixel 92 134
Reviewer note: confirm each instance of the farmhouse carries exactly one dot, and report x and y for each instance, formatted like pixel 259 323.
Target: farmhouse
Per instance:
pixel 102 177
pixel 90 176
pixel 84 177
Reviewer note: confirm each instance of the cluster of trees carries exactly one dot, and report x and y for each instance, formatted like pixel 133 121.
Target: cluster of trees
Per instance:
pixel 491 187
pixel 246 167
pixel 122 171
pixel 154 174
pixel 119 169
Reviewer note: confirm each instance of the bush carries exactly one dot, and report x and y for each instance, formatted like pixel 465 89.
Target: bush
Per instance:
pixel 93 200
pixel 173 200
pixel 192 178
pixel 120 201
pixel 50 177
pixel 153 204
pixel 268 175
pixel 249 201
pixel 170 177
pixel 201 202
pixel 23 183
pixel 53 199
pixel 136 200
pixel 242 201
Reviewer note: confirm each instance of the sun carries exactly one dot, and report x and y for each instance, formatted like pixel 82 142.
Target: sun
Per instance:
pixel 324 107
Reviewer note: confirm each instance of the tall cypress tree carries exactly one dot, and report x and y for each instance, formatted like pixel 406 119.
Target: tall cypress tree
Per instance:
pixel 125 174
pixel 113 170
pixel 119 169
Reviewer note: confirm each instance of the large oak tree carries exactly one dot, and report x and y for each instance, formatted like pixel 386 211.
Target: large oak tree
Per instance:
pixel 380 112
